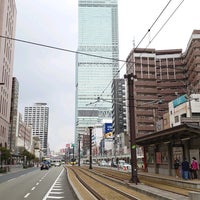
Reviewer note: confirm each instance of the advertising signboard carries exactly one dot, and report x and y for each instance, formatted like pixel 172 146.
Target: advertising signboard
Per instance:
pixel 107 130
pixel 180 100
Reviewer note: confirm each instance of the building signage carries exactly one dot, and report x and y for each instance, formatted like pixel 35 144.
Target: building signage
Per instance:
pixel 180 100
pixel 107 130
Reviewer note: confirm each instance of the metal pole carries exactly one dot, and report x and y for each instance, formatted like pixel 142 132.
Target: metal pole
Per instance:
pixel 90 128
pixel 132 128
pixel 79 150
pixel 73 154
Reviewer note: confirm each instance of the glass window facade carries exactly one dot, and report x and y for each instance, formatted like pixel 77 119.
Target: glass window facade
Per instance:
pixel 97 36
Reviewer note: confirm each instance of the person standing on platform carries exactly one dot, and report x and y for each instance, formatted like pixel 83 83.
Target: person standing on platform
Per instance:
pixel 195 167
pixel 176 167
pixel 185 169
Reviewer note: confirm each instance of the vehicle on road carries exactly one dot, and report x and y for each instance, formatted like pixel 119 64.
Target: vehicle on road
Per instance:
pixel 44 165
pixel 103 163
pixel 57 164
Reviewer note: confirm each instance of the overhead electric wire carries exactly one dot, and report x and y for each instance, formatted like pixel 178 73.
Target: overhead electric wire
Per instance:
pixel 153 23
pixel 140 41
pixel 60 49
pixel 165 23
pixel 159 29
pixel 103 57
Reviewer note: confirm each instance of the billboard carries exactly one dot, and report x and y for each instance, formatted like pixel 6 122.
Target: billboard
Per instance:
pixel 107 130
pixel 180 100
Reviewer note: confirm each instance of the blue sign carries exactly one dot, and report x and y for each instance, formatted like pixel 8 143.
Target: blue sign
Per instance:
pixel 180 100
pixel 107 128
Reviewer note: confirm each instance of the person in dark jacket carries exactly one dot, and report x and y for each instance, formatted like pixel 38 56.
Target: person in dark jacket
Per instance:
pixel 185 169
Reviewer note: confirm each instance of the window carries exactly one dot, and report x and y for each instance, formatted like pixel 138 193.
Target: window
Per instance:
pixel 176 119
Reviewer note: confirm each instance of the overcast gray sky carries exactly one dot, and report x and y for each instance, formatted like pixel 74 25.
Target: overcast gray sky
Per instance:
pixel 47 75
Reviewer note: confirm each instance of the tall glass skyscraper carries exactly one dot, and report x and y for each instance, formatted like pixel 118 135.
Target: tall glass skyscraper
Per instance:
pixel 97 65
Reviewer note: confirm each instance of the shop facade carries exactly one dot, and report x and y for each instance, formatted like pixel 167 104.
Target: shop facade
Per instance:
pixel 163 147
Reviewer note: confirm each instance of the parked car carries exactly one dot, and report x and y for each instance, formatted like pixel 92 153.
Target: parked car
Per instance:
pixel 44 166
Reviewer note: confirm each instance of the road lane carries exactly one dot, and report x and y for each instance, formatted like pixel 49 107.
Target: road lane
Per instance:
pixel 37 184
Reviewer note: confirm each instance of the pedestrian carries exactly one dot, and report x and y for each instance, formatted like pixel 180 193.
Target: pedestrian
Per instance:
pixel 176 167
pixel 185 169
pixel 195 167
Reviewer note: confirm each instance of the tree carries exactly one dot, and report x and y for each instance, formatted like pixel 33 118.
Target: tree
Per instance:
pixel 5 155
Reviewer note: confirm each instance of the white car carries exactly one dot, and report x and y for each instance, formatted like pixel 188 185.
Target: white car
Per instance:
pixel 103 163
pixel 126 166
pixel 57 164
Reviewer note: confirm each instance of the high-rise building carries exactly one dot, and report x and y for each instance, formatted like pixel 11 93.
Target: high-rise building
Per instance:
pixel 97 62
pixel 7 29
pixel 38 116
pixel 119 106
pixel 161 75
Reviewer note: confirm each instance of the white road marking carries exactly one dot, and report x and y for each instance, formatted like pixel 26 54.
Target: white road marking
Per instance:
pixel 33 188
pixel 47 194
pixel 56 192
pixel 37 183
pixel 26 195
pixel 53 197
pixel 57 189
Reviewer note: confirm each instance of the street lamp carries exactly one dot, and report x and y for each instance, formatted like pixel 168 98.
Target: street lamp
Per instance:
pixel 132 128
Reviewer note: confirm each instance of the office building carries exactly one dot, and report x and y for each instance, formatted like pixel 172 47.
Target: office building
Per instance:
pixel 38 116
pixel 97 64
pixel 119 106
pixel 7 29
pixel 119 122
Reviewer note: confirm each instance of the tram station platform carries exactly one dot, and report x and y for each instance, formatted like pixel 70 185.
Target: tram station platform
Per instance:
pixel 180 185
pixel 193 184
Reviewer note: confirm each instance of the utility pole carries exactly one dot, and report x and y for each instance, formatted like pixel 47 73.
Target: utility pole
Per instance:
pixel 90 129
pixel 132 128
pixel 79 150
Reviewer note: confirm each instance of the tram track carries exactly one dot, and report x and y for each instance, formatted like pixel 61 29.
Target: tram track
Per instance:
pixel 103 188
pixel 159 184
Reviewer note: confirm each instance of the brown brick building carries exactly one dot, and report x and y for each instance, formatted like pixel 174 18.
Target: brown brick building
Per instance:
pixel 161 76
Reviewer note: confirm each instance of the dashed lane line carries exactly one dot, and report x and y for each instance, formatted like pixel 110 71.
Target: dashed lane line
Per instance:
pixel 33 188
pixel 27 195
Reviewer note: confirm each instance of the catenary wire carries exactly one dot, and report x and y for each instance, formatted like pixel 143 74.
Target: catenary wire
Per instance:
pixel 164 23
pixel 139 43
pixel 60 49
pixel 159 30
pixel 153 23
pixel 93 55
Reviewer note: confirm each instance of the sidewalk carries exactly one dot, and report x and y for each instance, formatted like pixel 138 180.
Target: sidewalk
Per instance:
pixel 12 169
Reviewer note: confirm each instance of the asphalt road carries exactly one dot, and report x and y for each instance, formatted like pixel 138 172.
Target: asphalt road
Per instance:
pixel 36 184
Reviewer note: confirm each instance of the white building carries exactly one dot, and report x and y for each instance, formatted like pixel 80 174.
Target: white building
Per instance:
pixel 23 135
pixel 184 107
pixel 7 29
pixel 38 116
